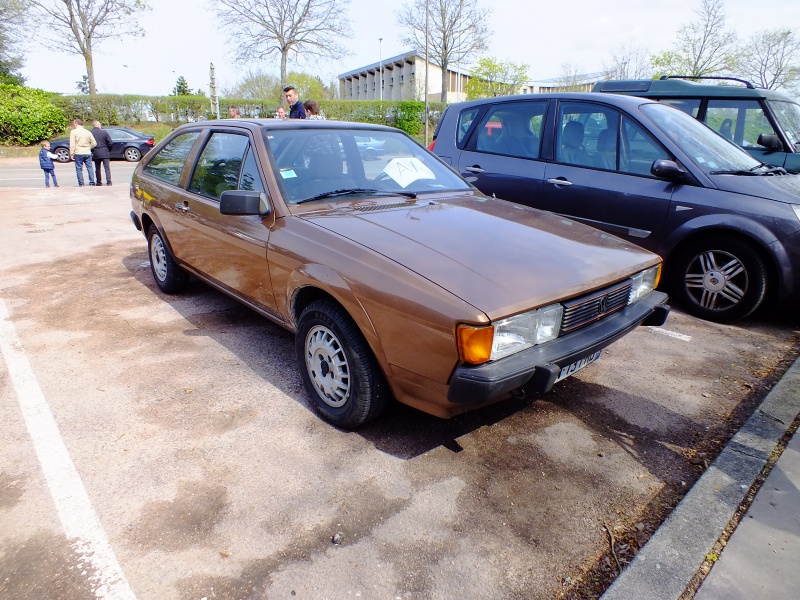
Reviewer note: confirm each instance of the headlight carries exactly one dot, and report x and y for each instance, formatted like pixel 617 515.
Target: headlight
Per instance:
pixel 477 345
pixel 644 282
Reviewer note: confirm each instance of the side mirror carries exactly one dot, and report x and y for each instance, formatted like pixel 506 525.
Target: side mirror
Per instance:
pixel 242 202
pixel 667 169
pixel 770 141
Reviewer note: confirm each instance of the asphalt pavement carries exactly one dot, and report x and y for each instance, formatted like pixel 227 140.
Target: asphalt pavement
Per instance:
pixel 760 560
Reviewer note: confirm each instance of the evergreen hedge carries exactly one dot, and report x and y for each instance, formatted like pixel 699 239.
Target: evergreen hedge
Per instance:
pixel 27 116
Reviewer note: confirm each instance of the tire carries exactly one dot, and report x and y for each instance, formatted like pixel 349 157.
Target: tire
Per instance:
pixel 337 366
pixel 132 154
pixel 63 155
pixel 370 154
pixel 170 278
pixel 719 278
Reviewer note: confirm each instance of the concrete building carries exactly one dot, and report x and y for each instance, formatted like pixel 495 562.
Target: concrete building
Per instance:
pixel 402 78
pixel 581 83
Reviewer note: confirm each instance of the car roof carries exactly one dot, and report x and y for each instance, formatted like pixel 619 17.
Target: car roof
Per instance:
pixel 278 124
pixel 612 99
pixel 681 88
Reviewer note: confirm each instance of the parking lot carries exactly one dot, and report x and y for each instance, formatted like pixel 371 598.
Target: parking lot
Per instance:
pixel 206 474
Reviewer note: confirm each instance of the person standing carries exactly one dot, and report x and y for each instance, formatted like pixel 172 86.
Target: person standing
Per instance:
pixel 280 112
pixel 233 111
pixel 296 109
pixel 312 110
pixel 48 166
pixel 101 153
pixel 81 143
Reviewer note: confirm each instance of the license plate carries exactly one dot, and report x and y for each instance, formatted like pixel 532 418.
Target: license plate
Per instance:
pixel 577 365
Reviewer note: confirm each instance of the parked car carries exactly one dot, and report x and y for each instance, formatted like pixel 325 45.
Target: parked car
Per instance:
pixel 766 123
pixel 727 226
pixel 370 149
pixel 397 277
pixel 127 144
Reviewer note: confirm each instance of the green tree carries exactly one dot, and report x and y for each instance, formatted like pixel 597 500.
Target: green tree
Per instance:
pixel 12 15
pixel 181 88
pixel 771 59
pixel 261 28
pixel 491 77
pixel 628 62
pixel 82 24
pixel 703 47
pixel 255 85
pixel 457 30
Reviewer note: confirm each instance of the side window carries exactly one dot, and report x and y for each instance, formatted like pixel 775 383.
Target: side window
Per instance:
pixel 168 164
pixel 637 149
pixel 691 106
pixel 587 135
pixel 251 179
pixel 219 164
pixel 464 121
pixel 740 121
pixel 116 134
pixel 512 129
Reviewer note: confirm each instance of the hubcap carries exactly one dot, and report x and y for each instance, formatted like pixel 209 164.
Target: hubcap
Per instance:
pixel 716 280
pixel 327 366
pixel 158 257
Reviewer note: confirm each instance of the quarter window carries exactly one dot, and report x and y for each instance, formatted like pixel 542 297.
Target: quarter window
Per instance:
pixel 219 165
pixel 168 164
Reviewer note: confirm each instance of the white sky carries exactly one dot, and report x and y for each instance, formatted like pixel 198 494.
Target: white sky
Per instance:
pixel 182 38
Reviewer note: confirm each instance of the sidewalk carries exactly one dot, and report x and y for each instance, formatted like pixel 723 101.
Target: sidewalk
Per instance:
pixel 762 557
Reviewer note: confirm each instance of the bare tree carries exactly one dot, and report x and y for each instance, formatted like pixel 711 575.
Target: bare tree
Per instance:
pixel 703 47
pixel 571 78
pixel 771 58
pixel 12 15
pixel 261 28
pixel 628 62
pixel 86 23
pixel 457 30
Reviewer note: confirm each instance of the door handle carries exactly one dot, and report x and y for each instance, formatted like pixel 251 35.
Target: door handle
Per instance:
pixel 475 169
pixel 559 181
pixel 182 206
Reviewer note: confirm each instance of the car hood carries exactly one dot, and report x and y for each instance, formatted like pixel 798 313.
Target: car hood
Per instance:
pixel 783 188
pixel 500 257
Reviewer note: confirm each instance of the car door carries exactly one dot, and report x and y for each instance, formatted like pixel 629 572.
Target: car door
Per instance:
pixel 502 155
pixel 601 173
pixel 229 249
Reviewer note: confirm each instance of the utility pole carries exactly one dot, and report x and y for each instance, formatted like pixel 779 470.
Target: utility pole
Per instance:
pixel 427 13
pixel 380 66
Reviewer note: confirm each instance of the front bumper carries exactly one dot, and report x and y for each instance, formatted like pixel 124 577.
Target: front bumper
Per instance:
pixel 537 368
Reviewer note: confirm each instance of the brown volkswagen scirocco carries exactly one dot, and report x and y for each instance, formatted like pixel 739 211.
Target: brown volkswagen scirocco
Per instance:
pixel 398 278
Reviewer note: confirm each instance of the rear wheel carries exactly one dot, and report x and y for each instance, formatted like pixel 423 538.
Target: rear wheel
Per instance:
pixel 370 154
pixel 719 278
pixel 338 369
pixel 170 278
pixel 132 154
pixel 62 154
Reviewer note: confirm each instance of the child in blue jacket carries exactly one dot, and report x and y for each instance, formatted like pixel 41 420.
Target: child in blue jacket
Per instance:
pixel 46 162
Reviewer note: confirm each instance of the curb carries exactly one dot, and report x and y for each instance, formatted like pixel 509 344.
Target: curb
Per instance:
pixel 669 560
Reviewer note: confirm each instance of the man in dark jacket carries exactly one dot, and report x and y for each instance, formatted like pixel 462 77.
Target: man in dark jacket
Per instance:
pixel 296 109
pixel 101 153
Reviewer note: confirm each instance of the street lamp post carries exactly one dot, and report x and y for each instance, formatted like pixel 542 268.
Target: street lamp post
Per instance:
pixel 380 66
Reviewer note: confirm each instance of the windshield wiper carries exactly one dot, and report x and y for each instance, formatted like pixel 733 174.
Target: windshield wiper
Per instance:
pixel 351 191
pixel 736 172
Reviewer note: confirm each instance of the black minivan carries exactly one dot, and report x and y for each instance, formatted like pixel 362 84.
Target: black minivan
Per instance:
pixel 726 224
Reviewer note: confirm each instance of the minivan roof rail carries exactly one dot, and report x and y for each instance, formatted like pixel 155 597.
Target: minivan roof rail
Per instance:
pixel 745 82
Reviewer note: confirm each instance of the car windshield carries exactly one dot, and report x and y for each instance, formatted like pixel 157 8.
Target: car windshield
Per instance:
pixel 788 114
pixel 322 163
pixel 710 151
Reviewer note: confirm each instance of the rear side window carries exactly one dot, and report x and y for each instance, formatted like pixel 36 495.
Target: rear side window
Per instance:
pixel 739 121
pixel 219 165
pixel 118 134
pixel 512 129
pixel 168 164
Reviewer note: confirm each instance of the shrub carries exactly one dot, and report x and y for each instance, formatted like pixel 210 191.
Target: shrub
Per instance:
pixel 28 116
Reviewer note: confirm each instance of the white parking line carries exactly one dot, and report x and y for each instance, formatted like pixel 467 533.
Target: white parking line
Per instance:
pixel 78 518
pixel 672 334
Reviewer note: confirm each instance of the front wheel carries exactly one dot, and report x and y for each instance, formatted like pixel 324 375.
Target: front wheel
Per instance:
pixel 132 154
pixel 719 278
pixel 170 278
pixel 338 369
pixel 62 154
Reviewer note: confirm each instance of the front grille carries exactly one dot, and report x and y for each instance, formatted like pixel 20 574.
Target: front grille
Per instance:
pixel 579 312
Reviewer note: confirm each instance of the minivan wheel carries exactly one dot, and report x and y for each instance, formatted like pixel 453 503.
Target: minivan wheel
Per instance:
pixel 337 366
pixel 169 277
pixel 719 278
pixel 132 154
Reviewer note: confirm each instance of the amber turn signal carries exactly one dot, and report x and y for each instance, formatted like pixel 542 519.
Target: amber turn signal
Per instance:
pixel 475 343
